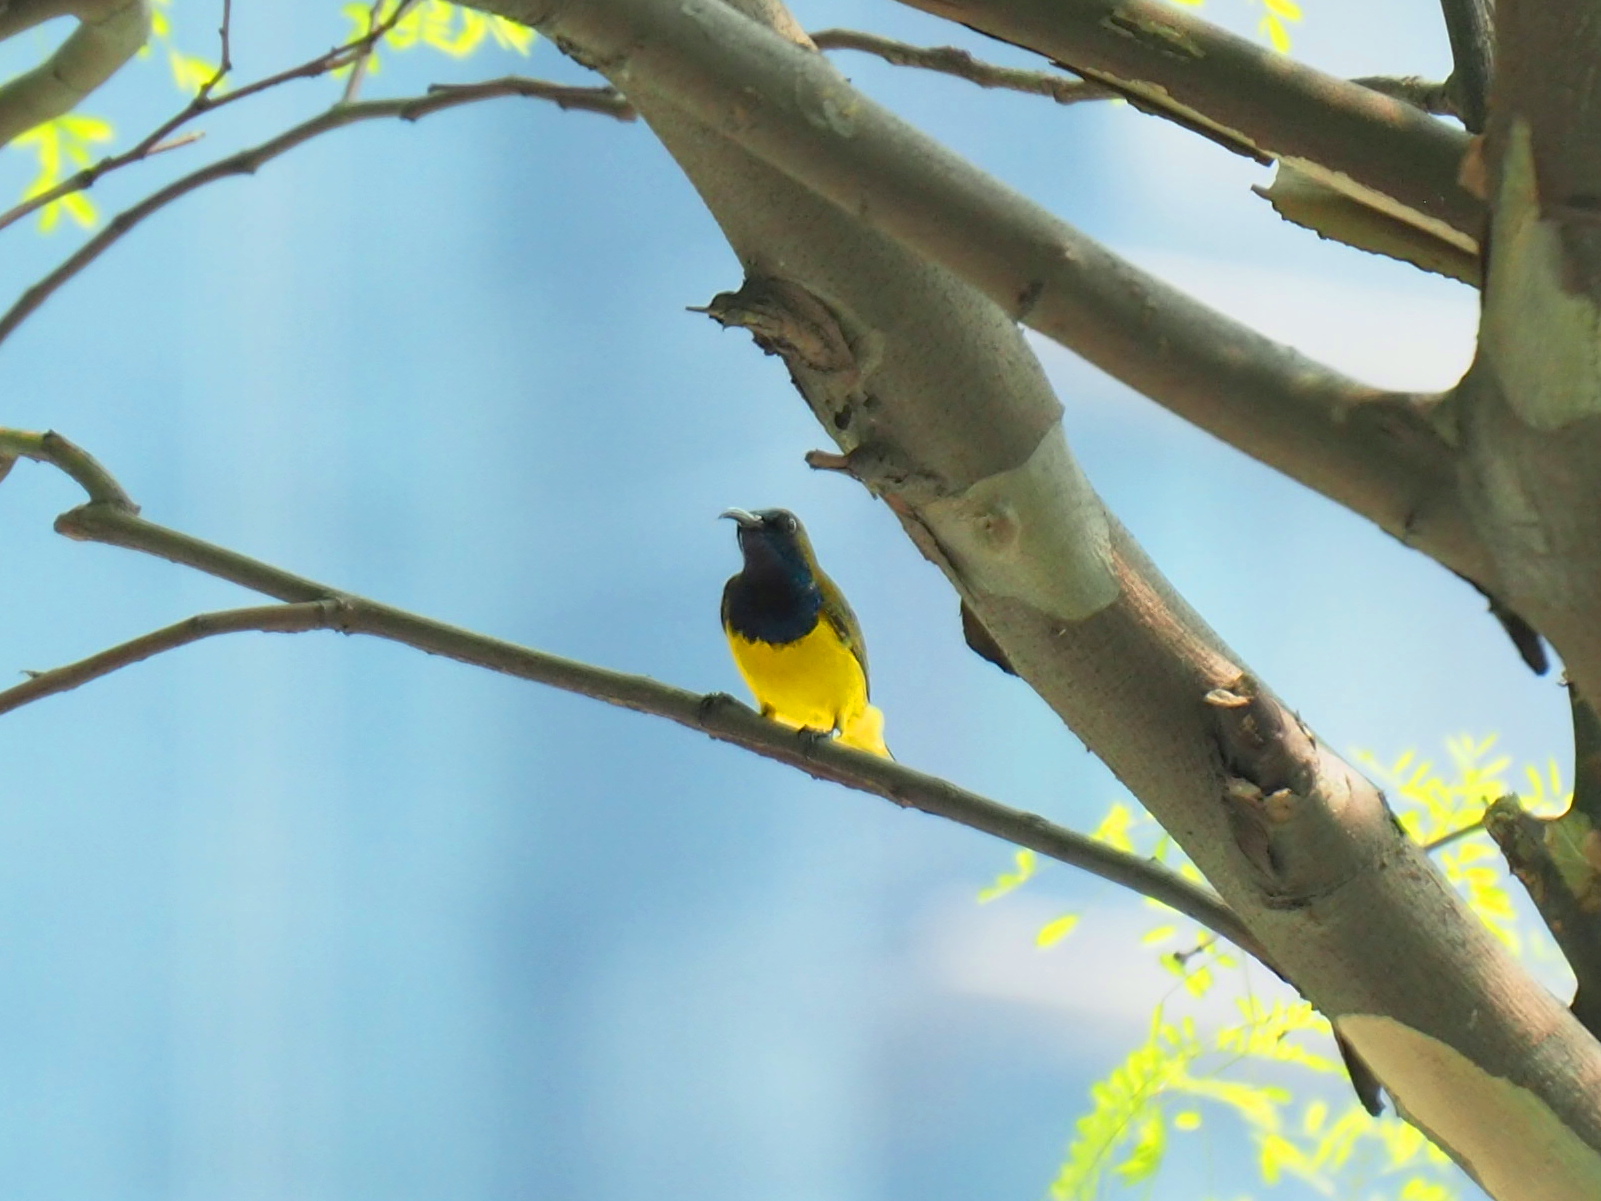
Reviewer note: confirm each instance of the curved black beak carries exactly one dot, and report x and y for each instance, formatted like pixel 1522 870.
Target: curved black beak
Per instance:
pixel 747 521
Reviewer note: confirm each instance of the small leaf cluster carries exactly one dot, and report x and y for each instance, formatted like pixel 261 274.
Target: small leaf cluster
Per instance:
pixel 448 28
pixel 67 143
pixel 1448 810
pixel 60 147
pixel 190 72
pixel 1182 1069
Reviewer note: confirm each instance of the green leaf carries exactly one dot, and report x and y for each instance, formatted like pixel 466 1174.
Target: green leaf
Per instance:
pixel 1027 863
pixel 1145 1157
pixel 1054 932
pixel 55 144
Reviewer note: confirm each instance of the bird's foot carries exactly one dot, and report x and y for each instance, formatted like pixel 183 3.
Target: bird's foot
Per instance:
pixel 811 738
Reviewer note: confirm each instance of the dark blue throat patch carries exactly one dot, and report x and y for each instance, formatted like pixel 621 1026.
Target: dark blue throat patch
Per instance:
pixel 775 598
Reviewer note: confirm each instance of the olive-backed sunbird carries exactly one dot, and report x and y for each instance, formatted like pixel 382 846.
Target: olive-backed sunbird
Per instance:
pixel 794 637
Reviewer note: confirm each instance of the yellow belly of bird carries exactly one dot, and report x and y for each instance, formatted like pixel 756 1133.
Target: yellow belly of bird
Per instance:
pixel 814 683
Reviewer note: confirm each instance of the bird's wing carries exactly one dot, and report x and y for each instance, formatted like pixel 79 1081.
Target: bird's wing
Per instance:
pixel 837 612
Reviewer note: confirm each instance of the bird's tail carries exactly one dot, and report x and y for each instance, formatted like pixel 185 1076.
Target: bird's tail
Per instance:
pixel 865 732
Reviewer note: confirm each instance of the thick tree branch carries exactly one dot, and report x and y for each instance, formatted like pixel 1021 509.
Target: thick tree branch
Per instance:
pixel 949 60
pixel 1375 452
pixel 248 161
pixel 1249 98
pixel 1470 24
pixel 111 518
pixel 1555 858
pixel 940 406
pixel 1529 412
pixel 109 33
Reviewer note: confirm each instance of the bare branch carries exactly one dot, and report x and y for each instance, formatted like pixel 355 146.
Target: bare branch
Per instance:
pixel 266 618
pixel 363 60
pixel 1247 97
pixel 1470 24
pixel 108 35
pixel 111 519
pixel 225 49
pixel 949 60
pixel 50 447
pixel 1454 836
pixel 247 162
pixel 1429 95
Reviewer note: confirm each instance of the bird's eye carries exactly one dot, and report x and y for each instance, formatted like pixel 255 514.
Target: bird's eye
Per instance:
pixel 786 522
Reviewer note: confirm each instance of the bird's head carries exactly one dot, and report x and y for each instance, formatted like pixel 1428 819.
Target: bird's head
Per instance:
pixel 774 542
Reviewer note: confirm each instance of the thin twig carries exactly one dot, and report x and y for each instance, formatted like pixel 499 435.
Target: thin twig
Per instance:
pixel 1430 95
pixel 359 68
pixel 1456 835
pixel 203 102
pixel 224 54
pixel 949 60
pixel 248 161
pixel 1470 24
pixel 112 519
pixel 280 618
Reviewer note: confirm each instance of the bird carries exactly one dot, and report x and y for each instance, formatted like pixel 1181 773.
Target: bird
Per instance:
pixel 794 637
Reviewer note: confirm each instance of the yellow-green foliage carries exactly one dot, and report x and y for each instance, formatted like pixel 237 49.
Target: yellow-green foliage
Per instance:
pixel 189 71
pixel 1277 15
pixel 65 144
pixel 449 28
pixel 1436 809
pixel 60 145
pixel 1166 1084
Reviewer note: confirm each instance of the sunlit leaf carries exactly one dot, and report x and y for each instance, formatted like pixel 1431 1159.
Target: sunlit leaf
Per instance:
pixel 1027 863
pixel 1114 828
pixel 1054 932
pixel 68 140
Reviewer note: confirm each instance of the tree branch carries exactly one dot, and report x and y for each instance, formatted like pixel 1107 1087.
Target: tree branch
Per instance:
pixel 1429 95
pixel 286 619
pixel 949 60
pixel 112 519
pixel 1248 98
pixel 248 161
pixel 1554 859
pixel 1470 24
pixel 935 400
pixel 109 33
pixel 1375 452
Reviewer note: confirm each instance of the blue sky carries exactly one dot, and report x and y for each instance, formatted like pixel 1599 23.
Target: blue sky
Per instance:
pixel 318 917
